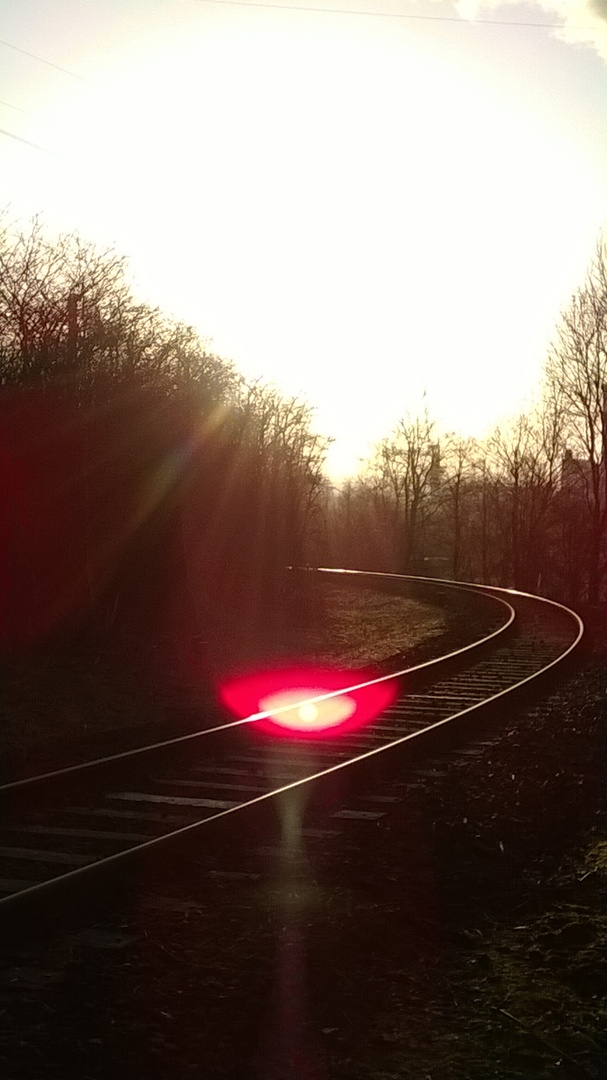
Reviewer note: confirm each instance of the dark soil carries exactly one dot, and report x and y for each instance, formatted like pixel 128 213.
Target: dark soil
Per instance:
pixel 454 931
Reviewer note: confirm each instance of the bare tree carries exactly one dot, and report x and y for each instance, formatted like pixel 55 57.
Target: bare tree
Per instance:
pixel 457 485
pixel 48 286
pixel 576 379
pixel 68 319
pixel 524 457
pixel 286 457
pixel 404 474
pixel 178 470
pixel 360 532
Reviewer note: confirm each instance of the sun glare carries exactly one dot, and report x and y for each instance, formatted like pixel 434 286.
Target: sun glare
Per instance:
pixel 310 716
pixel 328 197
pixel 278 701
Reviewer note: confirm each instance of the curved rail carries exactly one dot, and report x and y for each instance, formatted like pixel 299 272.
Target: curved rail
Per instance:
pixel 110 759
pixel 479 588
pixel 349 751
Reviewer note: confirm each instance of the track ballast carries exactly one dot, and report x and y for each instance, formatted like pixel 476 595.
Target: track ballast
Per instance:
pixel 79 826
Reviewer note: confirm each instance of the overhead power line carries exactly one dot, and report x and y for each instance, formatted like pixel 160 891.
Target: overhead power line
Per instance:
pixel 49 63
pixel 17 108
pixel 456 19
pixel 36 146
pixel 397 15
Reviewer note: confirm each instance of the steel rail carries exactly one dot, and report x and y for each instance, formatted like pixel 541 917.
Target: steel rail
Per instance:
pixel 480 589
pixel 71 770
pixel 100 866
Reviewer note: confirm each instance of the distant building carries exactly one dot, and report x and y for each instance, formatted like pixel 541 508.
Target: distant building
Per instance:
pixel 576 473
pixel 435 474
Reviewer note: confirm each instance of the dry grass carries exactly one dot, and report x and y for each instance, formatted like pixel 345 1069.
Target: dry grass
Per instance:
pixel 368 627
pixel 57 699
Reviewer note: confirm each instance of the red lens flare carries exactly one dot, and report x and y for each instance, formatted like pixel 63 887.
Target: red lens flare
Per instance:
pixel 285 696
pixel 311 715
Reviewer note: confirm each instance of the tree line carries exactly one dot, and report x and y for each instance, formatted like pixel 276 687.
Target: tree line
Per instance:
pixel 148 488
pixel 145 482
pixel 525 507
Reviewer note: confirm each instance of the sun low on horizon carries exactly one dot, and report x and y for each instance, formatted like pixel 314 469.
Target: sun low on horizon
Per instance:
pixel 368 211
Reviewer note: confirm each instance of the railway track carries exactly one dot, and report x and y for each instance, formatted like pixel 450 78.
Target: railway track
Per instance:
pixel 75 828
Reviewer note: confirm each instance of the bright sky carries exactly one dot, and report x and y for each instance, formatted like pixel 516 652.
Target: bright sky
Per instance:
pixel 357 207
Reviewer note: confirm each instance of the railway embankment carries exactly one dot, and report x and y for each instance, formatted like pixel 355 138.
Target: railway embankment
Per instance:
pixel 454 931
pixel 86 700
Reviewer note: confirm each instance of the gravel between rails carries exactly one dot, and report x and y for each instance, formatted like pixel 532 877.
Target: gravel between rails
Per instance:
pixel 457 937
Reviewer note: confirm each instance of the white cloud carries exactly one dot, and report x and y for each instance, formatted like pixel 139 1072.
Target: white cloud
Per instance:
pixel 584 22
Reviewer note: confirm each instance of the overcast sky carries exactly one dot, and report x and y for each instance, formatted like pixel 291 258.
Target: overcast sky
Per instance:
pixel 360 207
